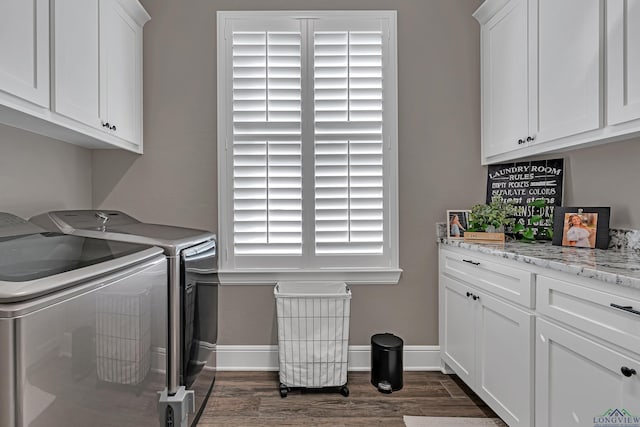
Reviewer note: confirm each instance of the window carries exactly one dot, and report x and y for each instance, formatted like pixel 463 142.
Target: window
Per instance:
pixel 307 142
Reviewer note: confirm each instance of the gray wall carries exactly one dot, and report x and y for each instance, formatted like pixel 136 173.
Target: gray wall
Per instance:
pixel 38 174
pixel 439 150
pixel 439 153
pixel 175 180
pixel 606 175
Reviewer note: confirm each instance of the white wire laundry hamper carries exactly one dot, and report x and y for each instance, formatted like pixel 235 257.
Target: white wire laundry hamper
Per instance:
pixel 123 336
pixel 313 334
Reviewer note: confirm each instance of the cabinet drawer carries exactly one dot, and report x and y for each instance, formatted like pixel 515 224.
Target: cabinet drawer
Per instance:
pixel 510 283
pixel 590 310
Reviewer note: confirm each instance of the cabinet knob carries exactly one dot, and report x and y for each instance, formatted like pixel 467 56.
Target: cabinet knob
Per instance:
pixel 521 141
pixel 627 372
pixel 106 125
pixel 113 127
pixel 530 138
pixel 469 294
pixel 476 297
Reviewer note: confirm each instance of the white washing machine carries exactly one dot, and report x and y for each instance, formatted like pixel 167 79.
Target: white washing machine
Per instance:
pixel 193 297
pixel 79 327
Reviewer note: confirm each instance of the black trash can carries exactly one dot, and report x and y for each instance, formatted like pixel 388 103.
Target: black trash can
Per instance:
pixel 386 362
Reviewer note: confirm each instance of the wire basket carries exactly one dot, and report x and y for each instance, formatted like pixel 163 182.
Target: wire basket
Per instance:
pixel 123 336
pixel 313 333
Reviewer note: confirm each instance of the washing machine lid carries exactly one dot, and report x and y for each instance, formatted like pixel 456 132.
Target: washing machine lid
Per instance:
pixel 34 264
pixel 116 225
pixel 13 225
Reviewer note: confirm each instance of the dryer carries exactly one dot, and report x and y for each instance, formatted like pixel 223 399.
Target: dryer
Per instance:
pixel 193 294
pixel 79 329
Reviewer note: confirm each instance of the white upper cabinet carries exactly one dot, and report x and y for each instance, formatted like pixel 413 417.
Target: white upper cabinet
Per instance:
pixel 121 71
pixel 75 66
pixel 24 52
pixel 546 59
pixel 94 66
pixel 97 62
pixel 565 61
pixel 623 61
pixel 505 63
pixel 541 72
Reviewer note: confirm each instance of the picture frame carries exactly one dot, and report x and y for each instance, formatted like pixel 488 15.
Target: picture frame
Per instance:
pixel 457 223
pixel 586 227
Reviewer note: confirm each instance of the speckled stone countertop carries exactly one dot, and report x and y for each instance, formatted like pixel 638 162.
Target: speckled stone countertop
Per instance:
pixel 618 265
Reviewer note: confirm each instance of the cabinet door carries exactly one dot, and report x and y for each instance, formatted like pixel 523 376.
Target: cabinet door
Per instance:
pixel 566 62
pixel 623 61
pixel 120 67
pixel 75 60
pixel 504 345
pixel 504 79
pixel 579 380
pixel 24 49
pixel 458 346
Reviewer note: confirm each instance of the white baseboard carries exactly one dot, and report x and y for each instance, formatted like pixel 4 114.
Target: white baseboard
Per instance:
pixel 265 358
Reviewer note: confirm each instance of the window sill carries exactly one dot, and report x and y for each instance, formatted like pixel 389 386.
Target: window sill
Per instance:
pixel 271 277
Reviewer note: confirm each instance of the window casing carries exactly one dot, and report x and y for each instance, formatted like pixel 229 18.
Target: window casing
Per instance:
pixel 307 142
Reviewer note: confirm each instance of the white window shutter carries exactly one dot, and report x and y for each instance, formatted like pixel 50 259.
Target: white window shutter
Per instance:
pixel 267 147
pixel 348 142
pixel 307 144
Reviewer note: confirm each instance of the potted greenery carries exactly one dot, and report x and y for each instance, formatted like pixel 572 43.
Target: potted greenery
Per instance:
pixel 488 221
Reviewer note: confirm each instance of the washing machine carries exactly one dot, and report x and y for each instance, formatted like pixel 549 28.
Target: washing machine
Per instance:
pixel 192 298
pixel 81 324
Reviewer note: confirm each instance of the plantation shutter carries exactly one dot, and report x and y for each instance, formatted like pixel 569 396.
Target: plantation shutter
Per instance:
pixel 348 142
pixel 267 145
pixel 307 146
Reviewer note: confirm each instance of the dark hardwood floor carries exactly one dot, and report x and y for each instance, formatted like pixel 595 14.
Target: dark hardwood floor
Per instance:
pixel 253 399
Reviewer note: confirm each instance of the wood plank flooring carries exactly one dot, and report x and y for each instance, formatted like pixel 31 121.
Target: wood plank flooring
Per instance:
pixel 253 399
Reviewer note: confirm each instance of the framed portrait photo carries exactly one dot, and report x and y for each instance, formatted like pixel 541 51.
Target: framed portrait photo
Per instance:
pixel 581 227
pixel 457 223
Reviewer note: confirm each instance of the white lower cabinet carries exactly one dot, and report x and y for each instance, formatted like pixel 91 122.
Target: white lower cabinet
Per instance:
pixel 488 343
pixel 540 347
pixel 504 349
pixel 587 352
pixel 579 382
pixel 458 341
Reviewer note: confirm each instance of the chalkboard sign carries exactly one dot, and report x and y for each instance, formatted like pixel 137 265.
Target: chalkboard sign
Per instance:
pixel 523 182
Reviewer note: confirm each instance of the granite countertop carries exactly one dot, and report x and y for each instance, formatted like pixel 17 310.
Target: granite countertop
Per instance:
pixel 619 266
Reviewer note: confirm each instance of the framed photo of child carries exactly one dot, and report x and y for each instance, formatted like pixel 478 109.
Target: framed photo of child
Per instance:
pixel 457 223
pixel 581 227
